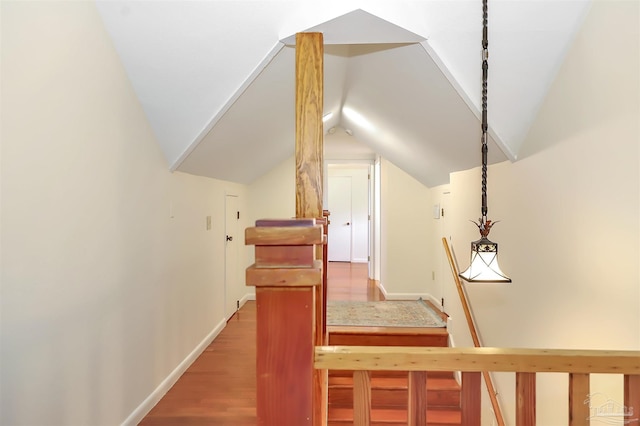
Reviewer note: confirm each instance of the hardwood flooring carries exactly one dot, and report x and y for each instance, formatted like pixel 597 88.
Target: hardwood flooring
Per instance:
pixel 349 281
pixel 219 387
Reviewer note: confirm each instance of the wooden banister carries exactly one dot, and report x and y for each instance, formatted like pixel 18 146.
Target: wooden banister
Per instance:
pixel 476 359
pixel 525 363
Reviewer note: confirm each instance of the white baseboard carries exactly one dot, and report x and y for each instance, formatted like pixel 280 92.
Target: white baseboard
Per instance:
pixel 359 260
pixel 435 301
pixel 246 298
pixel 143 409
pixel 383 290
pixel 406 296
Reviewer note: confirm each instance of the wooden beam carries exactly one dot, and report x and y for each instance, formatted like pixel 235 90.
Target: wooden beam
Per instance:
pixel 309 166
pixel 309 129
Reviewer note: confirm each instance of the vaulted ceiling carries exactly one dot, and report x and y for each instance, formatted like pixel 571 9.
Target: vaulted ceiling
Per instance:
pixel 216 78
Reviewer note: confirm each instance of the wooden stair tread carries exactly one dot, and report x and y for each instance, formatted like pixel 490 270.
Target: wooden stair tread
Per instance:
pixel 387 336
pixel 434 384
pixel 387 331
pixel 395 373
pixel 450 416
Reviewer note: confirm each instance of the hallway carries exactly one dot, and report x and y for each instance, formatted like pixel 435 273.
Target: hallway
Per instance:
pixel 219 387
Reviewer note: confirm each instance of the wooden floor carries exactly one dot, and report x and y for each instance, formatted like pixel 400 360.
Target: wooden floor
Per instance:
pixel 219 388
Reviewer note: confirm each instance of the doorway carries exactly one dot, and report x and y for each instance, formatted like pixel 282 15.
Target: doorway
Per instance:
pixel 232 240
pixel 348 188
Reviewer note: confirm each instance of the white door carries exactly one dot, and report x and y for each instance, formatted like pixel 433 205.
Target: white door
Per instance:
pixel 232 240
pixel 340 220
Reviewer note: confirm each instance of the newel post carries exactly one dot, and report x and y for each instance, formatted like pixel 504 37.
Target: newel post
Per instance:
pixel 285 274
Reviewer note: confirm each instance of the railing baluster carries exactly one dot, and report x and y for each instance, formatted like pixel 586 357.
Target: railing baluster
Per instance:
pixel 361 398
pixel 526 399
pixel 417 398
pixel 469 401
pixel 578 393
pixel 632 394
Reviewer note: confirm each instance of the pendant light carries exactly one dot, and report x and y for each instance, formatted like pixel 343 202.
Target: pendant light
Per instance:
pixel 484 253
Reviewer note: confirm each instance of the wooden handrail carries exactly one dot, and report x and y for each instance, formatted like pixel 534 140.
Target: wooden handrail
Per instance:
pixel 525 363
pixel 412 358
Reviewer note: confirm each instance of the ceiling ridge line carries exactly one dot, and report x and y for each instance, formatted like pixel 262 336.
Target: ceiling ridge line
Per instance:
pixel 429 50
pixel 262 65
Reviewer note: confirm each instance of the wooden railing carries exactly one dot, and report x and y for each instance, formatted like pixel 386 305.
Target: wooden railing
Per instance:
pixel 290 318
pixel 525 363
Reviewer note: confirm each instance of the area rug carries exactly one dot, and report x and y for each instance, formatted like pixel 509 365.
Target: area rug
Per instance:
pixel 389 313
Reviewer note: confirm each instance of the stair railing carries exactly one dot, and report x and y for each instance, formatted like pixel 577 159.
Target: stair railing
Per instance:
pixel 287 274
pixel 525 363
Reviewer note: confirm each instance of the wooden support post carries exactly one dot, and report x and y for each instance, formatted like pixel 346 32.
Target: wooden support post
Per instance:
pixel 526 399
pixel 361 398
pixel 632 394
pixel 309 129
pixel 578 393
pixel 309 166
pixel 469 398
pixel 417 398
pixel 285 275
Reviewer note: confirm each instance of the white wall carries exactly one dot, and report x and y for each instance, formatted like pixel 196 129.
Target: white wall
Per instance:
pixel 271 196
pixel 569 212
pixel 109 277
pixel 406 233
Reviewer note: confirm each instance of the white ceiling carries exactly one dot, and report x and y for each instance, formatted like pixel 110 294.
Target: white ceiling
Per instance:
pixel 216 78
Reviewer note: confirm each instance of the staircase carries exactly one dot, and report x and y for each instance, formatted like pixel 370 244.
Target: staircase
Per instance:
pixel 389 398
pixel 389 389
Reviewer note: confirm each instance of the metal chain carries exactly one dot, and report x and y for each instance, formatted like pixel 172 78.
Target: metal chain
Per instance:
pixel 485 66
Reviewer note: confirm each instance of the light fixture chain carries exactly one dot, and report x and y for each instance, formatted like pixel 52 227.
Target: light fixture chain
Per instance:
pixel 485 125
